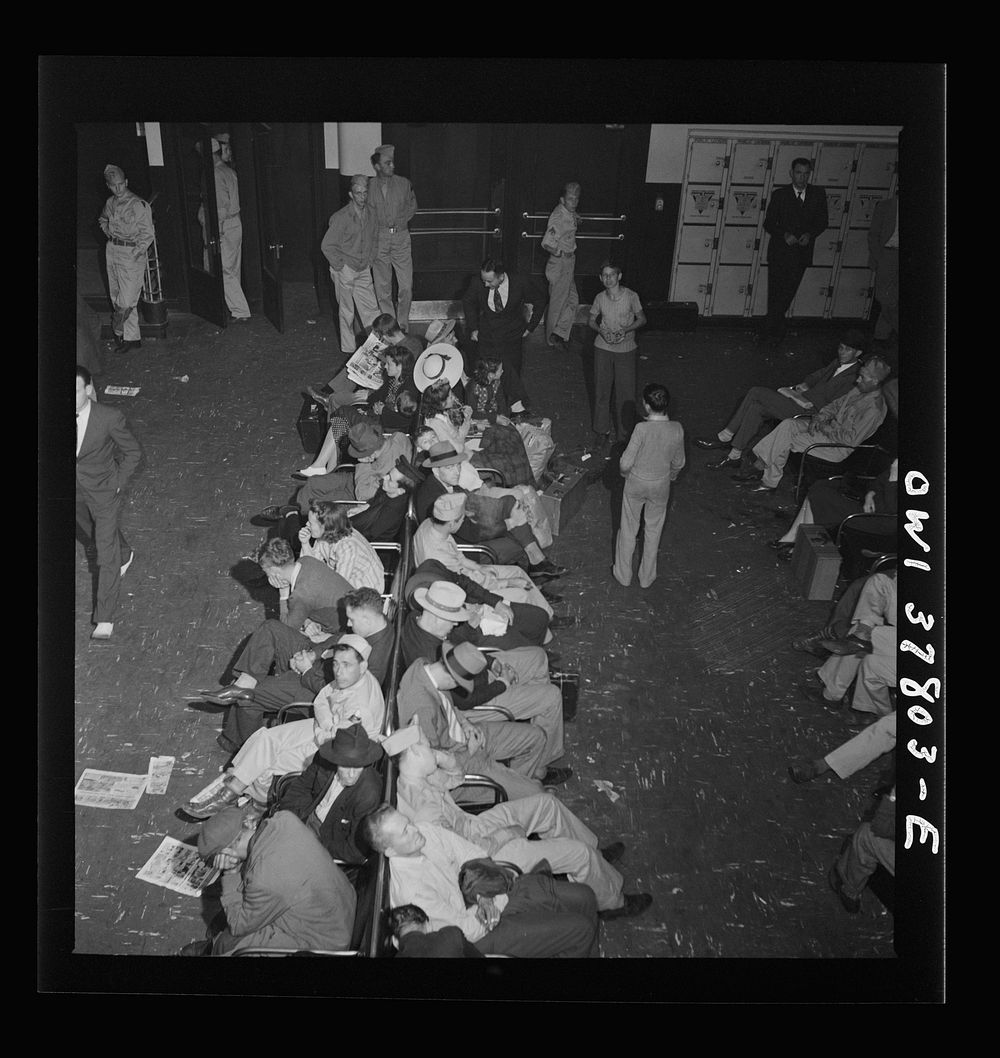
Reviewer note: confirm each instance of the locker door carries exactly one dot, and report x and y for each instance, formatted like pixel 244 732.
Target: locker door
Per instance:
pixel 736 245
pixel 852 298
pixel 729 291
pixel 836 203
pixel 707 162
pixel 862 208
pixel 855 253
pixel 834 165
pixel 749 163
pixel 784 155
pixel 877 165
pixel 742 206
pixel 695 244
pixel 701 204
pixel 810 300
pixel 691 284
pixel 760 292
pixel 825 249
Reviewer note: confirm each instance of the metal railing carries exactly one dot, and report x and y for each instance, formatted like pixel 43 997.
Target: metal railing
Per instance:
pixel 581 216
pixel 492 232
pixel 617 238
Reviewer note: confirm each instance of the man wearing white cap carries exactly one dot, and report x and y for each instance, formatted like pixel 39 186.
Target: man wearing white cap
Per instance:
pixel 127 221
pixel 435 539
pixel 349 246
pixel 353 697
pixel 394 203
pixel 227 198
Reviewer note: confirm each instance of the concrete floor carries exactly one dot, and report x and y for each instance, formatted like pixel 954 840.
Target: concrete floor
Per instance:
pixel 689 712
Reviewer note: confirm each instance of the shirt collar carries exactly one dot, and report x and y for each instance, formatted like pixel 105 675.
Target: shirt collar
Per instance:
pixel 296 569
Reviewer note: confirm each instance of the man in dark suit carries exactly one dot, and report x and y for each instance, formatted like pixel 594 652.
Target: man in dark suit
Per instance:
pixel 335 793
pixel 106 457
pixel 883 260
pixel 812 393
pixel 495 314
pixel 796 216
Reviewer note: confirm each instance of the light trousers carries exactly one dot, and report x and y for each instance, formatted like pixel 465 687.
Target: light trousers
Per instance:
pixel 125 278
pixel 563 298
pixel 354 290
pixel 868 745
pixel 639 496
pixel 231 246
pixel 394 255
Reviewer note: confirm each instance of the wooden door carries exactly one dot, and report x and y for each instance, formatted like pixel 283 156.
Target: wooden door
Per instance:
pixel 269 241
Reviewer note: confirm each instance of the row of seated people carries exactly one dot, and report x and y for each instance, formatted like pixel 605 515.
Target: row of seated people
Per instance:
pixel 462 660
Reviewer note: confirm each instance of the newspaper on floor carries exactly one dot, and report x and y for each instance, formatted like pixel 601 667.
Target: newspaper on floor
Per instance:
pixel 109 789
pixel 177 866
pixel 121 391
pixel 159 774
pixel 365 367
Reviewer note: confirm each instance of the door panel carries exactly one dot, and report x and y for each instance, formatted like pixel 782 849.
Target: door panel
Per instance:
pixel 267 220
pixel 810 298
pixel 696 245
pixel 729 295
pixel 200 223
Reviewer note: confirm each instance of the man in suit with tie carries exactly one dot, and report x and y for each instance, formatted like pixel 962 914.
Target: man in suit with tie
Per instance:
pixel 812 393
pixel 495 316
pixel 883 260
pixel 796 216
pixel 106 457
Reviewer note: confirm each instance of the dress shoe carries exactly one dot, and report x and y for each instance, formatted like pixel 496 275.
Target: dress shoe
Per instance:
pixel 127 563
pixel 228 695
pixel 209 808
pixel 561 622
pixel 711 442
pixel 803 771
pixel 613 852
pixel 851 904
pixel 777 544
pixel 239 319
pixel 547 568
pixel 816 694
pixel 226 743
pixel 550 596
pixel 322 399
pixel 748 477
pixel 127 347
pixel 103 630
pixel 635 904
pixel 848 645
pixel 274 513
pixel 810 645
pixel 309 472
pixel 197 947
pixel 556 776
pixel 750 486
pixel 726 464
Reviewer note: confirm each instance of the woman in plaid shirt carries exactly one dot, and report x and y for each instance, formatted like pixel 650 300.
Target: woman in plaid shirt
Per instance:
pixel 330 537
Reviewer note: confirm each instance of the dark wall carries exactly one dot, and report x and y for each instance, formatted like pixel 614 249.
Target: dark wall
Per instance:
pixel 653 246
pixel 293 185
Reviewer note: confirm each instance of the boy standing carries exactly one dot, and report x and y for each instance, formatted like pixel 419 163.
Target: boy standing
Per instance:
pixel 653 459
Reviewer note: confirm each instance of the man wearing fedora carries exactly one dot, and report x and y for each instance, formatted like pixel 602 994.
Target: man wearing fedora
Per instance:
pixel 425 692
pixel 434 538
pixel 280 888
pixel 516 680
pixel 392 199
pixel 352 697
pixel 513 545
pixel 336 791
pixel 376 454
pixel 495 314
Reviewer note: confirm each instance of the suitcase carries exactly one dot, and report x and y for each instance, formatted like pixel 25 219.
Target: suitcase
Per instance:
pixel 563 497
pixel 815 562
pixel 312 425
pixel 672 316
pixel 569 686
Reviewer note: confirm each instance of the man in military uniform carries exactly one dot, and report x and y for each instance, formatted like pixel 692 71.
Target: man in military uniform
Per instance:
pixel 392 199
pixel 127 221
pixel 227 198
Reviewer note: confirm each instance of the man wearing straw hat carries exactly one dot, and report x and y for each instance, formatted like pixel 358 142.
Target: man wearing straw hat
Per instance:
pixel 127 222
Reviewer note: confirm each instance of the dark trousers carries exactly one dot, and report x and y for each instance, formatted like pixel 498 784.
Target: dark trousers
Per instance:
pixel 510 352
pixel 270 695
pixel 546 919
pixel 98 521
pixel 274 643
pixel 784 273
pixel 757 406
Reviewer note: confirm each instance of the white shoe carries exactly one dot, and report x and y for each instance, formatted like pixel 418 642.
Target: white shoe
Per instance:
pixel 125 566
pixel 103 630
pixel 311 472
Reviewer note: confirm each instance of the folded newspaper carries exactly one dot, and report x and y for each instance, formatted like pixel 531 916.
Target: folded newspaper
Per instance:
pixel 213 788
pixel 159 774
pixel 179 867
pixel 109 789
pixel 365 366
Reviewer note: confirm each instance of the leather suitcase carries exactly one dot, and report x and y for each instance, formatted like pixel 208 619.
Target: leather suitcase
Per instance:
pixel 569 685
pixel 564 496
pixel 312 426
pixel 815 562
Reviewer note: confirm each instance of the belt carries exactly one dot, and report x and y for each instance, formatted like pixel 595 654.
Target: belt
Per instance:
pixel 392 231
pixel 122 242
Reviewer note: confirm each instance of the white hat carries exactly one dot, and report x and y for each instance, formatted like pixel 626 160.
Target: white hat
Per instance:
pixel 444 600
pixel 438 361
pixel 359 643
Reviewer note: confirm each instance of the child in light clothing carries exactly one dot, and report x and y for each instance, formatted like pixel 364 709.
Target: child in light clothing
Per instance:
pixel 341 546
pixel 653 459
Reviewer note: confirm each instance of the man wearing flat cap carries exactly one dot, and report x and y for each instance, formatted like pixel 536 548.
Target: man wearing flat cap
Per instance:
pixel 127 222
pixel 280 887
pixel 227 198
pixel 349 246
pixel 394 204
pixel 338 789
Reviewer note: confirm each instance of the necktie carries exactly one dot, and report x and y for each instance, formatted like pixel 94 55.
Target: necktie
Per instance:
pixel 801 196
pixel 497 303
